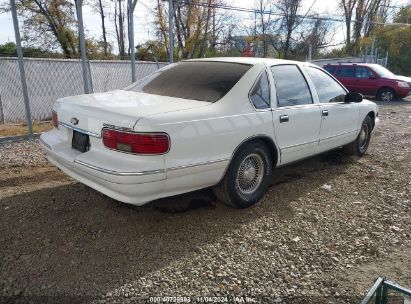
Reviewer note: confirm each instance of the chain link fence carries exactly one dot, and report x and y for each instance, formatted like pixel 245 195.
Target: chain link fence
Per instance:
pixel 50 79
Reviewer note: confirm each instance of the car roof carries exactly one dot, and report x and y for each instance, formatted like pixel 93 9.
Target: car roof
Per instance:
pixel 351 64
pixel 249 60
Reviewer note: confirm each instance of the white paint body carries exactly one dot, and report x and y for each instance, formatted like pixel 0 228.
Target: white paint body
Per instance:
pixel 204 136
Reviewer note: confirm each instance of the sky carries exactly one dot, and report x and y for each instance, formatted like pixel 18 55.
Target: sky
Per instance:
pixel 143 29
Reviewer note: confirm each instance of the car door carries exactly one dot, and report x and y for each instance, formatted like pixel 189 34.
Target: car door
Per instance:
pixel 367 82
pixel 296 117
pixel 339 123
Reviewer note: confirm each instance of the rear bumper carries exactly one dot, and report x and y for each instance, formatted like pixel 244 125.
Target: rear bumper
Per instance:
pixel 133 187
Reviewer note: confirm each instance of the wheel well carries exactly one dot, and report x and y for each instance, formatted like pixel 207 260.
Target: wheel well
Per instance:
pixel 382 88
pixel 268 142
pixel 372 116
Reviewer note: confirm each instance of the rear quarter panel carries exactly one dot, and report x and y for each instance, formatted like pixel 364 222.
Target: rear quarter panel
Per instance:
pixel 205 139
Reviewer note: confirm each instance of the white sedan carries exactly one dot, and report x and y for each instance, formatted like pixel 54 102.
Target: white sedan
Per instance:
pixel 224 123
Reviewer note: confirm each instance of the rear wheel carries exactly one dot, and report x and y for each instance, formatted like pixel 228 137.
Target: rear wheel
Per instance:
pixel 247 178
pixel 360 145
pixel 386 94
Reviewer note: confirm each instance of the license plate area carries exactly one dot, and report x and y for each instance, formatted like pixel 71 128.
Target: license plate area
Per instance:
pixel 80 141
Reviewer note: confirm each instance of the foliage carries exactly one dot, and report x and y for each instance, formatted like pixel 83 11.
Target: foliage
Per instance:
pixel 9 50
pixel 50 23
pixel 394 39
pixel 151 51
pixel 397 41
pixel 200 30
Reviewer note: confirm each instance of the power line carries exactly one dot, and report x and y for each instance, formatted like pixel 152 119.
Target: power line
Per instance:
pixel 309 17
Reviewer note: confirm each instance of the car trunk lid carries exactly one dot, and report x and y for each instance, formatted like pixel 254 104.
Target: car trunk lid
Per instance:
pixel 119 109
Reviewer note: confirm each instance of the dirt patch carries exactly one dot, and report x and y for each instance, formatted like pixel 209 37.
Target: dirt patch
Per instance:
pixel 21 129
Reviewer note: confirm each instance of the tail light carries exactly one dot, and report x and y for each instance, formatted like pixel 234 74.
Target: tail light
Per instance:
pixel 55 119
pixel 138 143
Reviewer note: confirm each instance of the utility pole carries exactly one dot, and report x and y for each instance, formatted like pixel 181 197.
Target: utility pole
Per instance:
pixel 21 67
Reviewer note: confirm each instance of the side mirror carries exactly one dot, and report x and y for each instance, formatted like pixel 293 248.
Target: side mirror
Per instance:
pixel 372 77
pixel 353 97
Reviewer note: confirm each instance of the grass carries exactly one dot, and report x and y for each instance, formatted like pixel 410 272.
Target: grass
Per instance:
pixel 21 129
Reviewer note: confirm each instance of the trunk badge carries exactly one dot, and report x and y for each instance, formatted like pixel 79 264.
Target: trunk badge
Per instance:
pixel 74 121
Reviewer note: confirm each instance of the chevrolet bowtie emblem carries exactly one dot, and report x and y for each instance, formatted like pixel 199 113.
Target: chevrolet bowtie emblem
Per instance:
pixel 74 121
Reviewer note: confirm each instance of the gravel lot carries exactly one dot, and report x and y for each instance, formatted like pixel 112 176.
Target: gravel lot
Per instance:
pixel 327 228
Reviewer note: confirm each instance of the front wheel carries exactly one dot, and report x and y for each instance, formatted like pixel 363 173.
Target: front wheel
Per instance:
pixel 386 94
pixel 360 145
pixel 247 178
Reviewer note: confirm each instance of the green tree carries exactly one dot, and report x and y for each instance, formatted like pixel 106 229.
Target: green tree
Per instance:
pixel 50 23
pixel 397 41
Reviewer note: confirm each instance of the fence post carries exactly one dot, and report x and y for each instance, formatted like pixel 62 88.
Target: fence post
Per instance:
pixel 79 11
pixel 170 31
pixel 310 52
pixel 386 60
pixel 131 6
pixel 1 111
pixel 21 67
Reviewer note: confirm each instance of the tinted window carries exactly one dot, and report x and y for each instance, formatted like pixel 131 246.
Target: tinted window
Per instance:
pixel 345 71
pixel 362 72
pixel 204 81
pixel 260 94
pixel 292 89
pixel 331 69
pixel 328 90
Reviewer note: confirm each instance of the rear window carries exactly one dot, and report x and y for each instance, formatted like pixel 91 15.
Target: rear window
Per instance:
pixel 204 81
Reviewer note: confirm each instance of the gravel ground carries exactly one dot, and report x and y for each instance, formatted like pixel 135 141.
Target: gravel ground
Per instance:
pixel 327 228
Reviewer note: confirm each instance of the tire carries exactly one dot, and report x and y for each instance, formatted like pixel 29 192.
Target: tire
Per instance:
pixel 360 145
pixel 247 178
pixel 386 95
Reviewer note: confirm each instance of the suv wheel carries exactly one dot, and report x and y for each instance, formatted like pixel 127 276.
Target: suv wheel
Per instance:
pixel 386 94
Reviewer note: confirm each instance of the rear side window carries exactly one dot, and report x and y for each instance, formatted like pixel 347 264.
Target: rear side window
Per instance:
pixel 260 93
pixel 346 71
pixel 328 90
pixel 292 89
pixel 362 72
pixel 330 69
pixel 196 80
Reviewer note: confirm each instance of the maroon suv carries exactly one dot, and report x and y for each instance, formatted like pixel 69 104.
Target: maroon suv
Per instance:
pixel 371 79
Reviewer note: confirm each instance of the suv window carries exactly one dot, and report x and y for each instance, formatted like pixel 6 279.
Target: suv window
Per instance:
pixel 330 68
pixel 362 72
pixel 260 94
pixel 328 90
pixel 346 71
pixel 292 88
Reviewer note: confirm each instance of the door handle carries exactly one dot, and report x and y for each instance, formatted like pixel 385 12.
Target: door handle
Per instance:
pixel 325 113
pixel 284 118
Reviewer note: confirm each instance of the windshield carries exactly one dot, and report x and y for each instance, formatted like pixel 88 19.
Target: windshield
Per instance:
pixel 195 80
pixel 381 71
